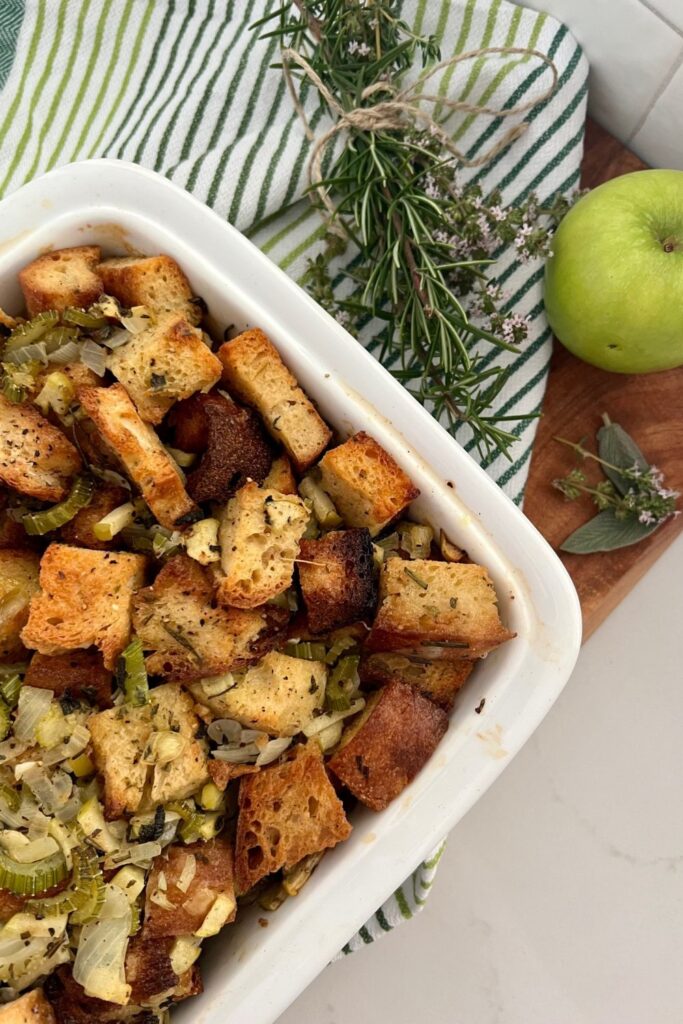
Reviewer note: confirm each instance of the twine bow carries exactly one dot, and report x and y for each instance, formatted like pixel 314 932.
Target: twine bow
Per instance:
pixel 394 113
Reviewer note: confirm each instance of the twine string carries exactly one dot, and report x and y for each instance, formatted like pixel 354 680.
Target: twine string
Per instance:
pixel 403 105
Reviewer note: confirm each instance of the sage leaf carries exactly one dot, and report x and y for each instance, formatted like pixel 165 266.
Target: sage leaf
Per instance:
pixel 616 447
pixel 607 533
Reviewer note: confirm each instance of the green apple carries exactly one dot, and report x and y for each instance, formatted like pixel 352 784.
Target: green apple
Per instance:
pixel 614 284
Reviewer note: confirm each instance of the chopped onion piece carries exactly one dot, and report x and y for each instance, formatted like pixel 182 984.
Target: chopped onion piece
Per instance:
pixel 11 749
pixel 34 703
pixel 225 730
pixel 186 876
pixel 26 851
pixel 330 736
pixel 78 741
pixel 235 755
pixel 118 338
pixel 316 725
pixel 28 354
pixel 136 853
pixel 273 750
pixel 162 900
pixel 94 357
pixel 69 352
pixel 100 960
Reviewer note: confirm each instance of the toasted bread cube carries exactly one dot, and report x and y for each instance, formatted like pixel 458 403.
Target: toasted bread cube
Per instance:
pixel 186 637
pixel 84 600
pixel 222 773
pixel 149 971
pixel 62 278
pixel 233 444
pixel 213 878
pixel 31 1008
pixel 119 737
pixel 123 744
pixel 439 680
pixel 153 281
pixel 18 583
pixel 286 811
pixel 146 969
pixel 365 483
pixel 281 476
pixel 12 533
pixel 439 609
pixel 141 453
pixel 80 675
pixel 35 456
pixel 173 712
pixel 79 531
pixel 163 364
pixel 78 374
pixel 389 746
pixel 337 577
pixel 259 538
pixel 279 695
pixel 253 370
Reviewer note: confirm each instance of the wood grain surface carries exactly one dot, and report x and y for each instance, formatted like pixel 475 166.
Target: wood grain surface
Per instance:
pixel 648 406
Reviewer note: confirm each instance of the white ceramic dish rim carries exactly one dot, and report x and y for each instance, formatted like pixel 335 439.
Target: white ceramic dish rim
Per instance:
pixel 255 972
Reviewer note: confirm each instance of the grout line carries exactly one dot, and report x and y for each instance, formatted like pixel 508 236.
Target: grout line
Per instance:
pixel 663 86
pixel 662 17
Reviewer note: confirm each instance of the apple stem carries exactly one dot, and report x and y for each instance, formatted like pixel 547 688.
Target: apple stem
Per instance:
pixel 606 420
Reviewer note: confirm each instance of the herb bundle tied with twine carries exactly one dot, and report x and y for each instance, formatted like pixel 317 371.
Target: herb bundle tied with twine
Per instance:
pixel 385 177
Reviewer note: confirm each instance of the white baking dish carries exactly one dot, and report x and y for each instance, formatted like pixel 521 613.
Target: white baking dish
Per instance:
pixel 252 973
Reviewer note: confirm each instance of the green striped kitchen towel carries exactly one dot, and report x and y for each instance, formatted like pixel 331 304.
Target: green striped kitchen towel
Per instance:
pixel 183 86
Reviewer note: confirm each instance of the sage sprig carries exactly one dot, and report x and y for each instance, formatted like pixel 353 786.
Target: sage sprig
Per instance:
pixel 632 499
pixel 426 242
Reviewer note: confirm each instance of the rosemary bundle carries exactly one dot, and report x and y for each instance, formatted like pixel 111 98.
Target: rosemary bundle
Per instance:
pixel 426 243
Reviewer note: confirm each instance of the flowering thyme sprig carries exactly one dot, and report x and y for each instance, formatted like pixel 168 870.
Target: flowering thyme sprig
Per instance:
pixel 646 498
pixel 427 243
pixel 632 501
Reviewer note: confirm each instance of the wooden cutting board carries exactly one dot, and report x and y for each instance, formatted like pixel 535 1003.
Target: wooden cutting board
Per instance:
pixel 649 407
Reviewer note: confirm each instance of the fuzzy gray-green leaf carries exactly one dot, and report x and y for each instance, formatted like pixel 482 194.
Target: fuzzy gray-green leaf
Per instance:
pixel 606 533
pixel 616 447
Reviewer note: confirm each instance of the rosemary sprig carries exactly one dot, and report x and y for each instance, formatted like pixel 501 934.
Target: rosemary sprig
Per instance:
pixel 426 243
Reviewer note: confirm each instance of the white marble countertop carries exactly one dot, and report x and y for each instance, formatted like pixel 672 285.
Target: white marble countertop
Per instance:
pixel 559 899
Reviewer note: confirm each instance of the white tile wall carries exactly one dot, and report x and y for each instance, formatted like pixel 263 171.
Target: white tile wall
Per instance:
pixel 635 49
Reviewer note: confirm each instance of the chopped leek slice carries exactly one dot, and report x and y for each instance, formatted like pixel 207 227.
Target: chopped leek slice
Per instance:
pixel 115 521
pixel 57 393
pixel 316 725
pixel 38 523
pixel 4 720
pixel 322 505
pixel 450 551
pixel 13 392
pixel 311 651
pixel 9 690
pixel 30 332
pixel 211 798
pixel 30 879
pixel 342 684
pixel 132 674
pixel 93 321
pixel 296 877
pixel 415 539
pixel 52 729
pixel 341 644
pixel 58 337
